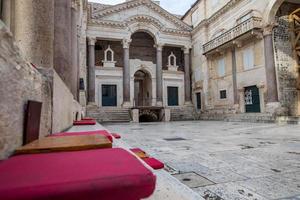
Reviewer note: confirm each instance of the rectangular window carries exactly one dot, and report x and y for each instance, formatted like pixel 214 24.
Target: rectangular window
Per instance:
pixel 173 96
pixel 197 74
pixel 198 96
pixel 214 3
pixel 248 58
pixel 223 94
pixel 221 67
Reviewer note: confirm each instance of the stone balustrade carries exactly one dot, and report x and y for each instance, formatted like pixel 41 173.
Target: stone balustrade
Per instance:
pixel 242 28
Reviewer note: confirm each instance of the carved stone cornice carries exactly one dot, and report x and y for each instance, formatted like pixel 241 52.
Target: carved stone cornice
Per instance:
pixel 268 30
pixel 98 14
pixel 216 15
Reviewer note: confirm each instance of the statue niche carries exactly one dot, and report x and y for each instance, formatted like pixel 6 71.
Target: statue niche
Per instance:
pixel 109 58
pixel 172 65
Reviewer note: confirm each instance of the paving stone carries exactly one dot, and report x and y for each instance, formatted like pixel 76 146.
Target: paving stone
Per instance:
pixel 193 180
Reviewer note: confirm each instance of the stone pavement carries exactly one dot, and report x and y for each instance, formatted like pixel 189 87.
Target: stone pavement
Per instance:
pixel 224 160
pixel 167 186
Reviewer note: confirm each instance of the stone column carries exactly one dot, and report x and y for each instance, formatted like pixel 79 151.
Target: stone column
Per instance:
pixel 261 89
pixel 272 93
pixel 6 12
pixel 74 44
pixel 159 79
pixel 91 70
pixel 34 30
pixel 234 82
pixel 187 75
pixel 62 41
pixel 126 73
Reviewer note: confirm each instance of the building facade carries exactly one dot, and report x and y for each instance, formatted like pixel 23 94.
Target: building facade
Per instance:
pixel 245 57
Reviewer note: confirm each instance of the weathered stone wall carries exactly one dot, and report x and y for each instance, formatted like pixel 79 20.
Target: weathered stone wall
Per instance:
pixel 20 82
pixel 285 62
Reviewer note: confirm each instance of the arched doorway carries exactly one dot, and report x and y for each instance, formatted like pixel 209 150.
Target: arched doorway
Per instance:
pixel 142 88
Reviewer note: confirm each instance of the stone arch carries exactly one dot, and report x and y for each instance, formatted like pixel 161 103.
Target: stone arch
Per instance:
pixel 152 30
pixel 271 10
pixel 143 88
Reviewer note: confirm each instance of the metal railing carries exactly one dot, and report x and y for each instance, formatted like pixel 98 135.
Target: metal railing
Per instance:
pixel 244 27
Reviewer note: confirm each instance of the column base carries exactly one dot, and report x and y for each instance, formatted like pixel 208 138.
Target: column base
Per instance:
pixel 126 104
pixel 188 103
pixel 91 104
pixel 275 108
pixel 135 115
pixel 159 103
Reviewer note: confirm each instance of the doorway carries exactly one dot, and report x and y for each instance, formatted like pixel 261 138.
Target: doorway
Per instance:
pixel 252 100
pixel 109 95
pixel 142 88
pixel 173 96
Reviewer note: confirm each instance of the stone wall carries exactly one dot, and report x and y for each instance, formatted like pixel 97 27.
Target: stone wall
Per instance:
pixel 285 62
pixel 20 82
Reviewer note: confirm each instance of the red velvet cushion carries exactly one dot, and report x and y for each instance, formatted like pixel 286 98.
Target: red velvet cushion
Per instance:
pixel 100 132
pixel 108 174
pixel 88 118
pixel 154 163
pixel 84 122
pixel 116 135
pixel 137 150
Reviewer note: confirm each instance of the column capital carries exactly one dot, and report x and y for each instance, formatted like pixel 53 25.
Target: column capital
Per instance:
pixel 159 46
pixel 75 4
pixel 92 41
pixel 268 29
pixel 186 49
pixel 126 43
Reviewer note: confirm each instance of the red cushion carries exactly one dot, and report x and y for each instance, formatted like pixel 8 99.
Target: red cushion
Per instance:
pixel 108 174
pixel 84 122
pixel 154 163
pixel 116 135
pixel 137 150
pixel 100 132
pixel 88 118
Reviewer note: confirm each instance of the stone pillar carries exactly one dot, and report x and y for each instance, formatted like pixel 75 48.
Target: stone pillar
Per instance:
pixel 6 12
pixel 234 82
pixel 187 75
pixel 74 44
pixel 126 73
pixel 272 93
pixel 62 41
pixel 242 100
pixel 91 70
pixel 34 30
pixel 261 89
pixel 159 79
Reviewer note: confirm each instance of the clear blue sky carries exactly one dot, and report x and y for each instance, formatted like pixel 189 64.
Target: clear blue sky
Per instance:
pixel 173 6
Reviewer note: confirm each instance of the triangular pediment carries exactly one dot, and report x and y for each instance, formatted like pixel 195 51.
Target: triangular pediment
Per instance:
pixel 144 11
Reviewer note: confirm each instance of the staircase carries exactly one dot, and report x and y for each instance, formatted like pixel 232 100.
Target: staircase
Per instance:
pixel 114 115
pixel 183 114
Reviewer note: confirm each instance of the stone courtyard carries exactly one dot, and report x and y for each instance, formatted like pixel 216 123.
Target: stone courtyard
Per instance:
pixel 224 160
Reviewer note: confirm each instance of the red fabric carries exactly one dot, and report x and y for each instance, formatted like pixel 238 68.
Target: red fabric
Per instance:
pixel 84 122
pixel 106 174
pixel 88 118
pixel 137 150
pixel 154 163
pixel 100 132
pixel 116 135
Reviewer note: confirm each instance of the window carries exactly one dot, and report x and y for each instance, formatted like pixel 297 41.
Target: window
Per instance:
pixel 248 59
pixel 223 94
pixel 197 74
pixel 214 3
pixel 221 67
pixel 198 96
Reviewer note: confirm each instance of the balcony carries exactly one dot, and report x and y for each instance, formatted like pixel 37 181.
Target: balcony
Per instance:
pixel 248 26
